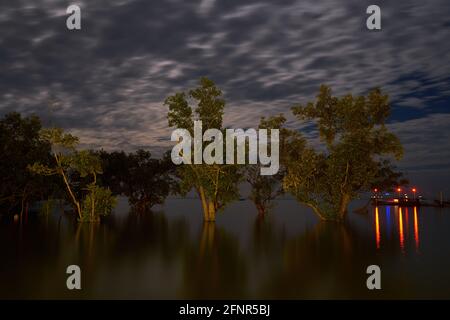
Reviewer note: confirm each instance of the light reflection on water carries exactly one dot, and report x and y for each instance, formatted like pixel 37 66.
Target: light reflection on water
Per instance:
pixel 400 229
pixel 170 253
pixel 416 229
pixel 377 228
pixel 402 223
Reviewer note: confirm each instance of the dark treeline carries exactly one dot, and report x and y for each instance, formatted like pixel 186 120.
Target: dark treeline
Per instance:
pixel 26 151
pixel 21 145
pixel 39 165
pixel 144 180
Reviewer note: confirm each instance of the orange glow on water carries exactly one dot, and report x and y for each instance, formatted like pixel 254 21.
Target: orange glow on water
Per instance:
pixel 377 228
pixel 400 228
pixel 407 222
pixel 416 228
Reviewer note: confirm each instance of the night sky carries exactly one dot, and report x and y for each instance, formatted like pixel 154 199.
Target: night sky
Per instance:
pixel 107 82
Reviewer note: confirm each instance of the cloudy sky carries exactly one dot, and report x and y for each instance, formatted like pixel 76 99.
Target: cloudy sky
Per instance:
pixel 106 83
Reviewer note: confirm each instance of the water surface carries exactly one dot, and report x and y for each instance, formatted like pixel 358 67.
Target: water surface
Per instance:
pixel 170 253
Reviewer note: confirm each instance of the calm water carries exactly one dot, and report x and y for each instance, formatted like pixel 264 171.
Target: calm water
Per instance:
pixel 170 253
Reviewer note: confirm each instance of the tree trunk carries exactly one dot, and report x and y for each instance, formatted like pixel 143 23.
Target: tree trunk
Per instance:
pixel 261 209
pixel 208 206
pixel 207 237
pixel 343 206
pixel 211 212
pixel 201 193
pixel 316 211
pixel 75 201
pixel 93 195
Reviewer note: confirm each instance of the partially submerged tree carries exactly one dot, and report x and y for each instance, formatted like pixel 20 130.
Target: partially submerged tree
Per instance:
pixel 356 143
pixel 215 184
pixel 265 188
pixel 68 161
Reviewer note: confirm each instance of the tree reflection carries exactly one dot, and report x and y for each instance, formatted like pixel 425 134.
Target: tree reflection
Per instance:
pixel 214 267
pixel 327 261
pixel 266 239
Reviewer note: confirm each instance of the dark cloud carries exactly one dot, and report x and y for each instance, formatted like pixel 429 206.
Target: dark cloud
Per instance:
pixel 111 78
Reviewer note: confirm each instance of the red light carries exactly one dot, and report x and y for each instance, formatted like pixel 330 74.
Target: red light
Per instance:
pixel 375 190
pixel 398 189
pixel 414 190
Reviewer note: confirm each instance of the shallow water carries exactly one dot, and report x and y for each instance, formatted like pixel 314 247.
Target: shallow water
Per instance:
pixel 170 253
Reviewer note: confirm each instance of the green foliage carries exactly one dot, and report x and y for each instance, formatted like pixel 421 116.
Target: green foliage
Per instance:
pixel 58 139
pixel 63 151
pixel 69 163
pixel 98 202
pixel 180 113
pixel 355 155
pixel 355 141
pixel 216 184
pixel 210 105
pixel 86 163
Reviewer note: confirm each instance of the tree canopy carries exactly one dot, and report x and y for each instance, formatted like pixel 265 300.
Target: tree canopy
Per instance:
pixel 356 145
pixel 216 184
pixel 68 161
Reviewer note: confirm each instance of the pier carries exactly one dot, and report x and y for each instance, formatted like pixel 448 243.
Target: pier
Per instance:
pixel 400 199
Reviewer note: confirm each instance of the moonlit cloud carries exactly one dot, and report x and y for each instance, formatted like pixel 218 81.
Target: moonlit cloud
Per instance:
pixel 206 6
pixel 110 79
